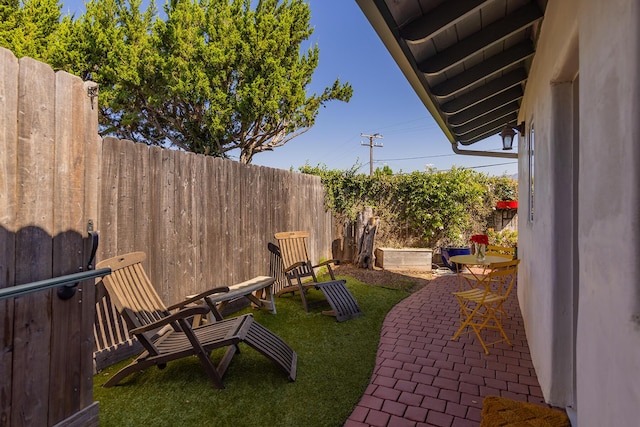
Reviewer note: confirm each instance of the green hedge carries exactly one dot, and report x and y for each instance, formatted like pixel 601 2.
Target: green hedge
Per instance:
pixel 419 209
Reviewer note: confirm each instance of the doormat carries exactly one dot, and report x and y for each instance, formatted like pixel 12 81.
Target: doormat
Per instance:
pixel 500 411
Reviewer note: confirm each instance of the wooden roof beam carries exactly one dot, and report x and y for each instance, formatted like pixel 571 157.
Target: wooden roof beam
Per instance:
pixel 485 69
pixel 505 110
pixel 490 35
pixel 498 85
pixel 489 128
pixel 438 19
pixel 490 104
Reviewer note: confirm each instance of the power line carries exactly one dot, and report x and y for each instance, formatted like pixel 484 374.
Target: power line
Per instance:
pixel 488 166
pixel 462 167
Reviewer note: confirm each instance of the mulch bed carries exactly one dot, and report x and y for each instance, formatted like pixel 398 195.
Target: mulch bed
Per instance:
pixel 408 280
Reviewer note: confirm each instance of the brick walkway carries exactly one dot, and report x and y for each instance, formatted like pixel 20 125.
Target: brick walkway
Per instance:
pixel 422 378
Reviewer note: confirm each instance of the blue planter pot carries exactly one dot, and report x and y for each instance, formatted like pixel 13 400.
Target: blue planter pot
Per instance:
pixel 448 252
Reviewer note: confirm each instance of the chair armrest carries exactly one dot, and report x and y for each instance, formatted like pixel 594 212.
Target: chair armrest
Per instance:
pixel 294 266
pixel 182 314
pixel 327 262
pixel 199 297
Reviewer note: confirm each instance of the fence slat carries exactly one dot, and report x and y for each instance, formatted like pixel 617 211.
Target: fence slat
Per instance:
pixel 200 224
pixel 68 215
pixel 141 193
pixel 36 126
pixel 88 113
pixel 108 209
pixel 8 213
pixel 125 202
pixel 184 282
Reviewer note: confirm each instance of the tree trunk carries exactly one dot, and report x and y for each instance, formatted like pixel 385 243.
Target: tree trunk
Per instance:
pixel 367 226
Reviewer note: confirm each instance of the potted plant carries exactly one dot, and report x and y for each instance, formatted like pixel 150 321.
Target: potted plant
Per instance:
pixel 507 204
pixel 506 193
pixel 454 246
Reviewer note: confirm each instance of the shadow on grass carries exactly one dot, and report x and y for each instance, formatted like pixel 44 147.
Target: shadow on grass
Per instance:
pixel 335 362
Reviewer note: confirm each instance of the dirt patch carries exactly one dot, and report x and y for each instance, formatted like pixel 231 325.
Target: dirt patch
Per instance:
pixel 408 280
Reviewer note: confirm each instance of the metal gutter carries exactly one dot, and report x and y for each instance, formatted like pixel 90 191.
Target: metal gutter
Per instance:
pixel 454 147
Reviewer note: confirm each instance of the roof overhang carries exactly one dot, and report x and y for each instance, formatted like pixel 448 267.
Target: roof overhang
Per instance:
pixel 467 60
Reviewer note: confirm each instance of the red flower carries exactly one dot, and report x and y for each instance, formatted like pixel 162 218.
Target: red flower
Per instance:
pixel 481 239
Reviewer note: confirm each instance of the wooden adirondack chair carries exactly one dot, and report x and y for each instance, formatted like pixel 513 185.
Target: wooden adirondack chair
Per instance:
pixel 167 334
pixel 300 276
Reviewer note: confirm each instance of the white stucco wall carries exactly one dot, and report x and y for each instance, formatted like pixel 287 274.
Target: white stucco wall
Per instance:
pixel 609 230
pixel 584 245
pixel 545 284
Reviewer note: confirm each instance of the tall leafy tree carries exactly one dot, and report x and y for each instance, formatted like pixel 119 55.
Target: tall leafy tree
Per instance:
pixel 30 28
pixel 213 77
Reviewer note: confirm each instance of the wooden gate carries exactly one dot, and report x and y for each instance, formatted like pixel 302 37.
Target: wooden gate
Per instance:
pixel 48 193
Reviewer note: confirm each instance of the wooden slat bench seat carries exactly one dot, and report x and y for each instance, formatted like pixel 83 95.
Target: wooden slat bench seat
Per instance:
pixel 257 290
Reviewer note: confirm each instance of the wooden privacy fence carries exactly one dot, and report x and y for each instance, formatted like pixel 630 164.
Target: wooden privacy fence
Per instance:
pixel 202 222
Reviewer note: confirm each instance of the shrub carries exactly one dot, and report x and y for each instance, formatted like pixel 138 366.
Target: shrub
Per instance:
pixel 504 237
pixel 416 209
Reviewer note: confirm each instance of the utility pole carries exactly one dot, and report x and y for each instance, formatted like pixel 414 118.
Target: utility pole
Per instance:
pixel 371 144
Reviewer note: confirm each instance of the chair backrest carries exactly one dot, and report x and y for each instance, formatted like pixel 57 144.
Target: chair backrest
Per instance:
pixel 503 251
pixel 131 290
pixel 276 269
pixel 503 275
pixel 293 249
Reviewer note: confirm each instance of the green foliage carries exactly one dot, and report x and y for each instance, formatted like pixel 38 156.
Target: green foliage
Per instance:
pixel 417 209
pixel 347 191
pixel 386 170
pixel 335 364
pixel 31 28
pixel 214 77
pixel 504 237
pixel 505 189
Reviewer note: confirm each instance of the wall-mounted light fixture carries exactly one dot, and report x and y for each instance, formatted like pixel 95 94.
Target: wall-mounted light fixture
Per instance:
pixel 508 133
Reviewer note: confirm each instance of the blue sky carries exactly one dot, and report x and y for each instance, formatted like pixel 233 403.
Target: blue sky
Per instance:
pixel 382 102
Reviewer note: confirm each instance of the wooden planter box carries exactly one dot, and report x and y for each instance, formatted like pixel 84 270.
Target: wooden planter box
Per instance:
pixel 405 258
pixel 507 204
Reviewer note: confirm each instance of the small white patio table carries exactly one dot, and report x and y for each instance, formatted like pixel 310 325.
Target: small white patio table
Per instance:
pixel 472 276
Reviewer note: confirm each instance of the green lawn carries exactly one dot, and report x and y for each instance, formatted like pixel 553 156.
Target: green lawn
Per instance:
pixel 335 362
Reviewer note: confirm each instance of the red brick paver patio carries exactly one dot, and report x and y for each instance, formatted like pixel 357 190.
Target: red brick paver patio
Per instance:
pixel 422 378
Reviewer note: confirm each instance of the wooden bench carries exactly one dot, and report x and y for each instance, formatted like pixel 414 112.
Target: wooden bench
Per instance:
pixel 258 290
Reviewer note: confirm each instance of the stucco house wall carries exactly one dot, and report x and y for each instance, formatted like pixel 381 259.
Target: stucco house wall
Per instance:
pixel 608 339
pixel 544 241
pixel 578 286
